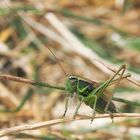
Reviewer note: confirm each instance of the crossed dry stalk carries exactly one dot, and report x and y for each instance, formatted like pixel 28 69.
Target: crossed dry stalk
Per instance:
pixel 17 129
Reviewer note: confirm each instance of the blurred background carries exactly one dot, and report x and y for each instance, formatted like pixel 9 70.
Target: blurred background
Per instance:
pixel 83 35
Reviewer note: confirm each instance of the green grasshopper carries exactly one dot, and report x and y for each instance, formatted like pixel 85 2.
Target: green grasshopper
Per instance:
pixel 92 93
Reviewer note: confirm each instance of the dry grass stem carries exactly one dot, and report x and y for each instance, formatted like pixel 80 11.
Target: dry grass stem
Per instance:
pixel 20 128
pixel 14 78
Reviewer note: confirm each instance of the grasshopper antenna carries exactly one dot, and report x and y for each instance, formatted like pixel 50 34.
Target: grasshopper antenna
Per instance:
pixel 57 60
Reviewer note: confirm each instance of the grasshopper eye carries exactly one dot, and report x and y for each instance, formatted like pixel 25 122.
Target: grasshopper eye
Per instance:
pixel 72 78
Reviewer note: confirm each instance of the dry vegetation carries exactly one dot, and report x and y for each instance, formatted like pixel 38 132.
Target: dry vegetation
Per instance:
pixel 90 38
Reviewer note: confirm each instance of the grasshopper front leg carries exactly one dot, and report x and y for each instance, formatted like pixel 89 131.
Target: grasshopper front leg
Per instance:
pixel 80 91
pixel 70 90
pixel 66 106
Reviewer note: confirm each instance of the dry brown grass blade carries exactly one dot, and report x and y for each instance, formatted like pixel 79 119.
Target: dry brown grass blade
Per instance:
pixel 20 128
pixel 14 78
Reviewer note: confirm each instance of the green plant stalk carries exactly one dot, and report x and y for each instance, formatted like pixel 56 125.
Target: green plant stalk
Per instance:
pixel 42 84
pixel 126 101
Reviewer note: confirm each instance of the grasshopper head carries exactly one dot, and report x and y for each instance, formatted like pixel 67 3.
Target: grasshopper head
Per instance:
pixel 73 78
pixel 81 86
pixel 71 83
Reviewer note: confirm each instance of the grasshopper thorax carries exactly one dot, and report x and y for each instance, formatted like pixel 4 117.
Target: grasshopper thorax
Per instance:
pixel 77 84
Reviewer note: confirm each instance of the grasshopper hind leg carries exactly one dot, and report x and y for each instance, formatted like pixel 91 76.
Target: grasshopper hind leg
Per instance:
pixel 109 103
pixel 122 70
